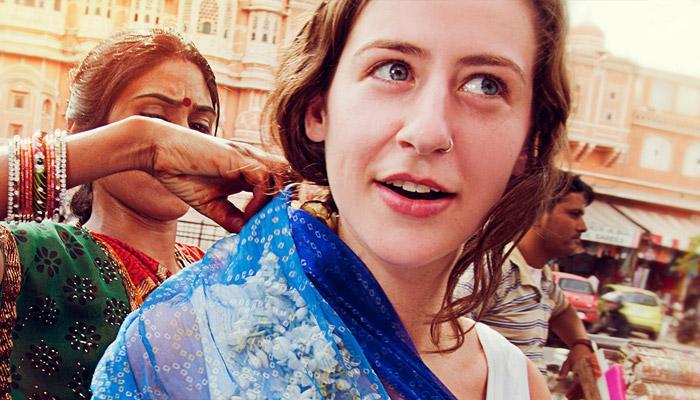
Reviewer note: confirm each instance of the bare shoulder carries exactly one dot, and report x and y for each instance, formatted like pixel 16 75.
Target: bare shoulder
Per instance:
pixel 464 371
pixel 537 383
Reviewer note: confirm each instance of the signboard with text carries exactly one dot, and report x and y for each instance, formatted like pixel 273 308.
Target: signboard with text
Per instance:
pixel 618 236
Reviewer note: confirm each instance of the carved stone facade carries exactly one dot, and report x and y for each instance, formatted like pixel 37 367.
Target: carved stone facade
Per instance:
pixel 634 132
pixel 41 40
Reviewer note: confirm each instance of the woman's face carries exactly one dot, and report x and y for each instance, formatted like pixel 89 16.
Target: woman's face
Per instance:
pixel 159 93
pixel 415 75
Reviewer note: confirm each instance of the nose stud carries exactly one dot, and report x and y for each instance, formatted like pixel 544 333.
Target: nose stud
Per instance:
pixel 450 145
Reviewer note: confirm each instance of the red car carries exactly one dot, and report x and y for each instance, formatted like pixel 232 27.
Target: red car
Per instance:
pixel 580 294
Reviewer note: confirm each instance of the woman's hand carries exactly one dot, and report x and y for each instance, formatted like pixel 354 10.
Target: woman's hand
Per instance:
pixel 203 171
pixel 200 169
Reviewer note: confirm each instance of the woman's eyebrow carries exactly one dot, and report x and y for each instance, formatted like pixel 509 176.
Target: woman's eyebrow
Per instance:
pixel 400 46
pixel 175 102
pixel 493 60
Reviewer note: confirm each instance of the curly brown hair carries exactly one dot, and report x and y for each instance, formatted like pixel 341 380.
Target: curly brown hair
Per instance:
pixel 307 70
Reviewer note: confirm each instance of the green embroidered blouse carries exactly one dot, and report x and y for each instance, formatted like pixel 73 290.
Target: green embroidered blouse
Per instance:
pixel 63 297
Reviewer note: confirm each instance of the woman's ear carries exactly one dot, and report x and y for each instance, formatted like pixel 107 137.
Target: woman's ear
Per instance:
pixel 315 119
pixel 520 164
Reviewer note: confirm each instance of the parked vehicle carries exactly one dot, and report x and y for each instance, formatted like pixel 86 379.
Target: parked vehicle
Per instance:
pixel 642 308
pixel 580 294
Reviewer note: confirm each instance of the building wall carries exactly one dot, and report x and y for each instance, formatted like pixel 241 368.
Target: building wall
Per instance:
pixel 41 40
pixel 634 132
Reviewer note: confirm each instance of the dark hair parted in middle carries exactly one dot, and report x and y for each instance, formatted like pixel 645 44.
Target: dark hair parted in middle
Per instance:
pixel 103 74
pixel 307 70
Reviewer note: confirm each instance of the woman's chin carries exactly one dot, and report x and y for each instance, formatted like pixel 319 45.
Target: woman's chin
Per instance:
pixel 417 257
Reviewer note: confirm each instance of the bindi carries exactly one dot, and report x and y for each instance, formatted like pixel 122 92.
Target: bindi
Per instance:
pixel 186 102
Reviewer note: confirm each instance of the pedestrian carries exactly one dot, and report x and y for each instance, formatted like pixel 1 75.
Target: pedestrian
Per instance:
pixel 527 302
pixel 139 103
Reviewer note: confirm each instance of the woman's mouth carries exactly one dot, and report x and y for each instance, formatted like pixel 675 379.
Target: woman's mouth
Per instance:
pixel 414 191
pixel 413 199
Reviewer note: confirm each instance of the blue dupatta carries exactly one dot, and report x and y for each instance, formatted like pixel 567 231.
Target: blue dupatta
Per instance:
pixel 283 310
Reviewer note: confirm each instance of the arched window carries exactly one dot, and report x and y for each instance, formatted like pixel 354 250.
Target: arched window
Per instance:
pixel 253 27
pixel 656 154
pixel 266 29
pixel 145 9
pixel 46 108
pixel 208 15
pixel 274 33
pixel 186 14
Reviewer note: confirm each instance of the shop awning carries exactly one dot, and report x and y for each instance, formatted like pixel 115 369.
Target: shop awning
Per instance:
pixel 607 225
pixel 667 230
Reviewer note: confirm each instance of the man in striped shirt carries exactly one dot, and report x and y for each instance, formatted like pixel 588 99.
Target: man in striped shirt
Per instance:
pixel 528 302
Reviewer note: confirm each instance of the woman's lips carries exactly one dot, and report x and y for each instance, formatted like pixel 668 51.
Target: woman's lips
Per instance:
pixel 413 207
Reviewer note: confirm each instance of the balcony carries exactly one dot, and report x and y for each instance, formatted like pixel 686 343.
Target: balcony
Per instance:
pixel 586 137
pixel 275 6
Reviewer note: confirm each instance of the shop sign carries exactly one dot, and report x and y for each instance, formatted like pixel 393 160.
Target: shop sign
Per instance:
pixel 617 236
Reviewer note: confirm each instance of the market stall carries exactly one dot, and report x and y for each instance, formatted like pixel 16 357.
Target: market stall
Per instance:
pixel 635 370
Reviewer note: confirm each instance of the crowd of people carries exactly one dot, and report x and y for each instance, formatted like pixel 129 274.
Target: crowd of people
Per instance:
pixel 438 157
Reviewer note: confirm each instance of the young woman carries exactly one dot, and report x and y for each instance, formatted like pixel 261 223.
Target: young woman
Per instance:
pixel 66 289
pixel 434 124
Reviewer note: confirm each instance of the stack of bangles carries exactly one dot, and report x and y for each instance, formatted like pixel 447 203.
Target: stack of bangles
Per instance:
pixel 36 184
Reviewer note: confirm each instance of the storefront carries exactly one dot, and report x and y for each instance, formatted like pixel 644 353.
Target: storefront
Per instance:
pixel 628 244
pixel 610 245
pixel 669 239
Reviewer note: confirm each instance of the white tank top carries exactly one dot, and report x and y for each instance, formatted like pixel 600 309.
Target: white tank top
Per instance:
pixel 507 366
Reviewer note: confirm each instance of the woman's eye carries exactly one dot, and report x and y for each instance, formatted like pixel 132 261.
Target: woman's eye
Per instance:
pixel 204 128
pixel 393 71
pixel 484 85
pixel 154 116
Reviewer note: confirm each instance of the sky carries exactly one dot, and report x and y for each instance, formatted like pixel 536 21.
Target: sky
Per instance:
pixel 659 34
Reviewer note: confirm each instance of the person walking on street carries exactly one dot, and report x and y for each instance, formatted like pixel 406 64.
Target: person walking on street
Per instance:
pixel 527 301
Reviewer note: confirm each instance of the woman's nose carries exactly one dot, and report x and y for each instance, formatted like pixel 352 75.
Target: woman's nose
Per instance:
pixel 426 127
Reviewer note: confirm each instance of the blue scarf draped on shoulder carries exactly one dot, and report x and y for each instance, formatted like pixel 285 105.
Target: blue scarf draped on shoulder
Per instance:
pixel 285 310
